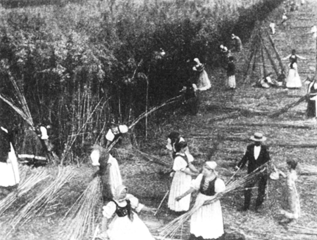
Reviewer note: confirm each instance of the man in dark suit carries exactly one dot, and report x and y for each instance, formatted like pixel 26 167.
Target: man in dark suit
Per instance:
pixel 256 155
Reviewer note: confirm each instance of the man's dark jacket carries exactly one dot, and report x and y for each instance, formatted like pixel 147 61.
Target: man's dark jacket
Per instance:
pixel 253 163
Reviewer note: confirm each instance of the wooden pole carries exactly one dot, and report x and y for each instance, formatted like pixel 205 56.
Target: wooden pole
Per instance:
pixel 276 52
pixel 249 64
pixel 271 60
pixel 316 59
pixel 263 60
pixel 289 106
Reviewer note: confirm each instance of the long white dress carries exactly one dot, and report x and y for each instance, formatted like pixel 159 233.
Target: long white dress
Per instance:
pixel 293 197
pixel 203 83
pixel 181 183
pixel 293 79
pixel 115 175
pixel 9 171
pixel 122 228
pixel 207 221
pixel 114 170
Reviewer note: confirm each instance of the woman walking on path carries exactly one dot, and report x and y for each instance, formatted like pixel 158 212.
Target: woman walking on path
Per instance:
pixel 126 223
pixel 293 196
pixel 183 172
pixel 203 82
pixel 207 221
pixel 293 79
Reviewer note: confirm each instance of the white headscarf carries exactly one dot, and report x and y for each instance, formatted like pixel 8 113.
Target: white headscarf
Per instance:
pixel 118 191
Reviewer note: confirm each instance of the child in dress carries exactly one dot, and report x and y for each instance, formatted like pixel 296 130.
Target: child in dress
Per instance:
pixel 293 196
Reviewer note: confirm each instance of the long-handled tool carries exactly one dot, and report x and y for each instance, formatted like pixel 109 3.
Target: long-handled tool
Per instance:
pixel 230 180
pixel 166 194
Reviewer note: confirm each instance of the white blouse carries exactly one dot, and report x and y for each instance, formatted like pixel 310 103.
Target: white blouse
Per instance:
pixel 110 208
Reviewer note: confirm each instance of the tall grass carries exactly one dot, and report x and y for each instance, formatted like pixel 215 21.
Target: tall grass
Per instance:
pixel 84 65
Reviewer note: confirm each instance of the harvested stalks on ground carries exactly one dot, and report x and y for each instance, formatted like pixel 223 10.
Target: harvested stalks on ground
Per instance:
pixel 81 218
pixel 26 185
pixel 64 175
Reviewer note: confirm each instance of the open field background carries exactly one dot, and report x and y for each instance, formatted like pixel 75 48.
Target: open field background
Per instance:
pixel 220 131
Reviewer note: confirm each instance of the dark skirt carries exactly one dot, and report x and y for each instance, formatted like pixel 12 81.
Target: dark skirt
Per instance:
pixel 311 108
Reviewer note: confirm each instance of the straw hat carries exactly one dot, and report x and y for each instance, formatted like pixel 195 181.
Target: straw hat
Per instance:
pixel 258 137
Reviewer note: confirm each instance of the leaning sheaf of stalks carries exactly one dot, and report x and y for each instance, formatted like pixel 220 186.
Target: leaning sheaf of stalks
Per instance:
pixel 64 175
pixel 170 230
pixel 24 111
pixel 26 185
pixel 146 114
pixel 81 218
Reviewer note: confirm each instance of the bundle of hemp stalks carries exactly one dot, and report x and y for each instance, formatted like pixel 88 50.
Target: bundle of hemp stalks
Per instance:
pixel 41 200
pixel 81 218
pixel 27 183
pixel 171 229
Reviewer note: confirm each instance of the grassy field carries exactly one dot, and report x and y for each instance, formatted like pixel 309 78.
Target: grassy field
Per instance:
pixel 222 128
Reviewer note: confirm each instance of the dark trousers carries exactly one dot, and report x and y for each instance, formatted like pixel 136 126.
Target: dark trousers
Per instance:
pixel 261 182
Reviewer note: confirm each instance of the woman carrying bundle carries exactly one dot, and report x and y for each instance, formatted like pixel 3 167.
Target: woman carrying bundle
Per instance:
pixel 293 80
pixel 206 221
pixel 126 223
pixel 109 171
pixel 183 172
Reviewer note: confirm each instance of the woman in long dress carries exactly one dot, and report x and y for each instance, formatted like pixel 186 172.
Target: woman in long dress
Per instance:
pixel 9 168
pixel 203 82
pixel 293 196
pixel 293 79
pixel 126 223
pixel 182 177
pixel 108 170
pixel 206 221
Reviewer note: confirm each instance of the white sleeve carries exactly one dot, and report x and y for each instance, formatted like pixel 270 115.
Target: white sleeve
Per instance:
pixel 44 135
pixel 109 209
pixel 135 204
pixel 197 181
pixel 219 185
pixel 179 164
pixel 189 156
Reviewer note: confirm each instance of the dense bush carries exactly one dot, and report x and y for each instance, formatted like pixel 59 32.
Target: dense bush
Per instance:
pixel 82 67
